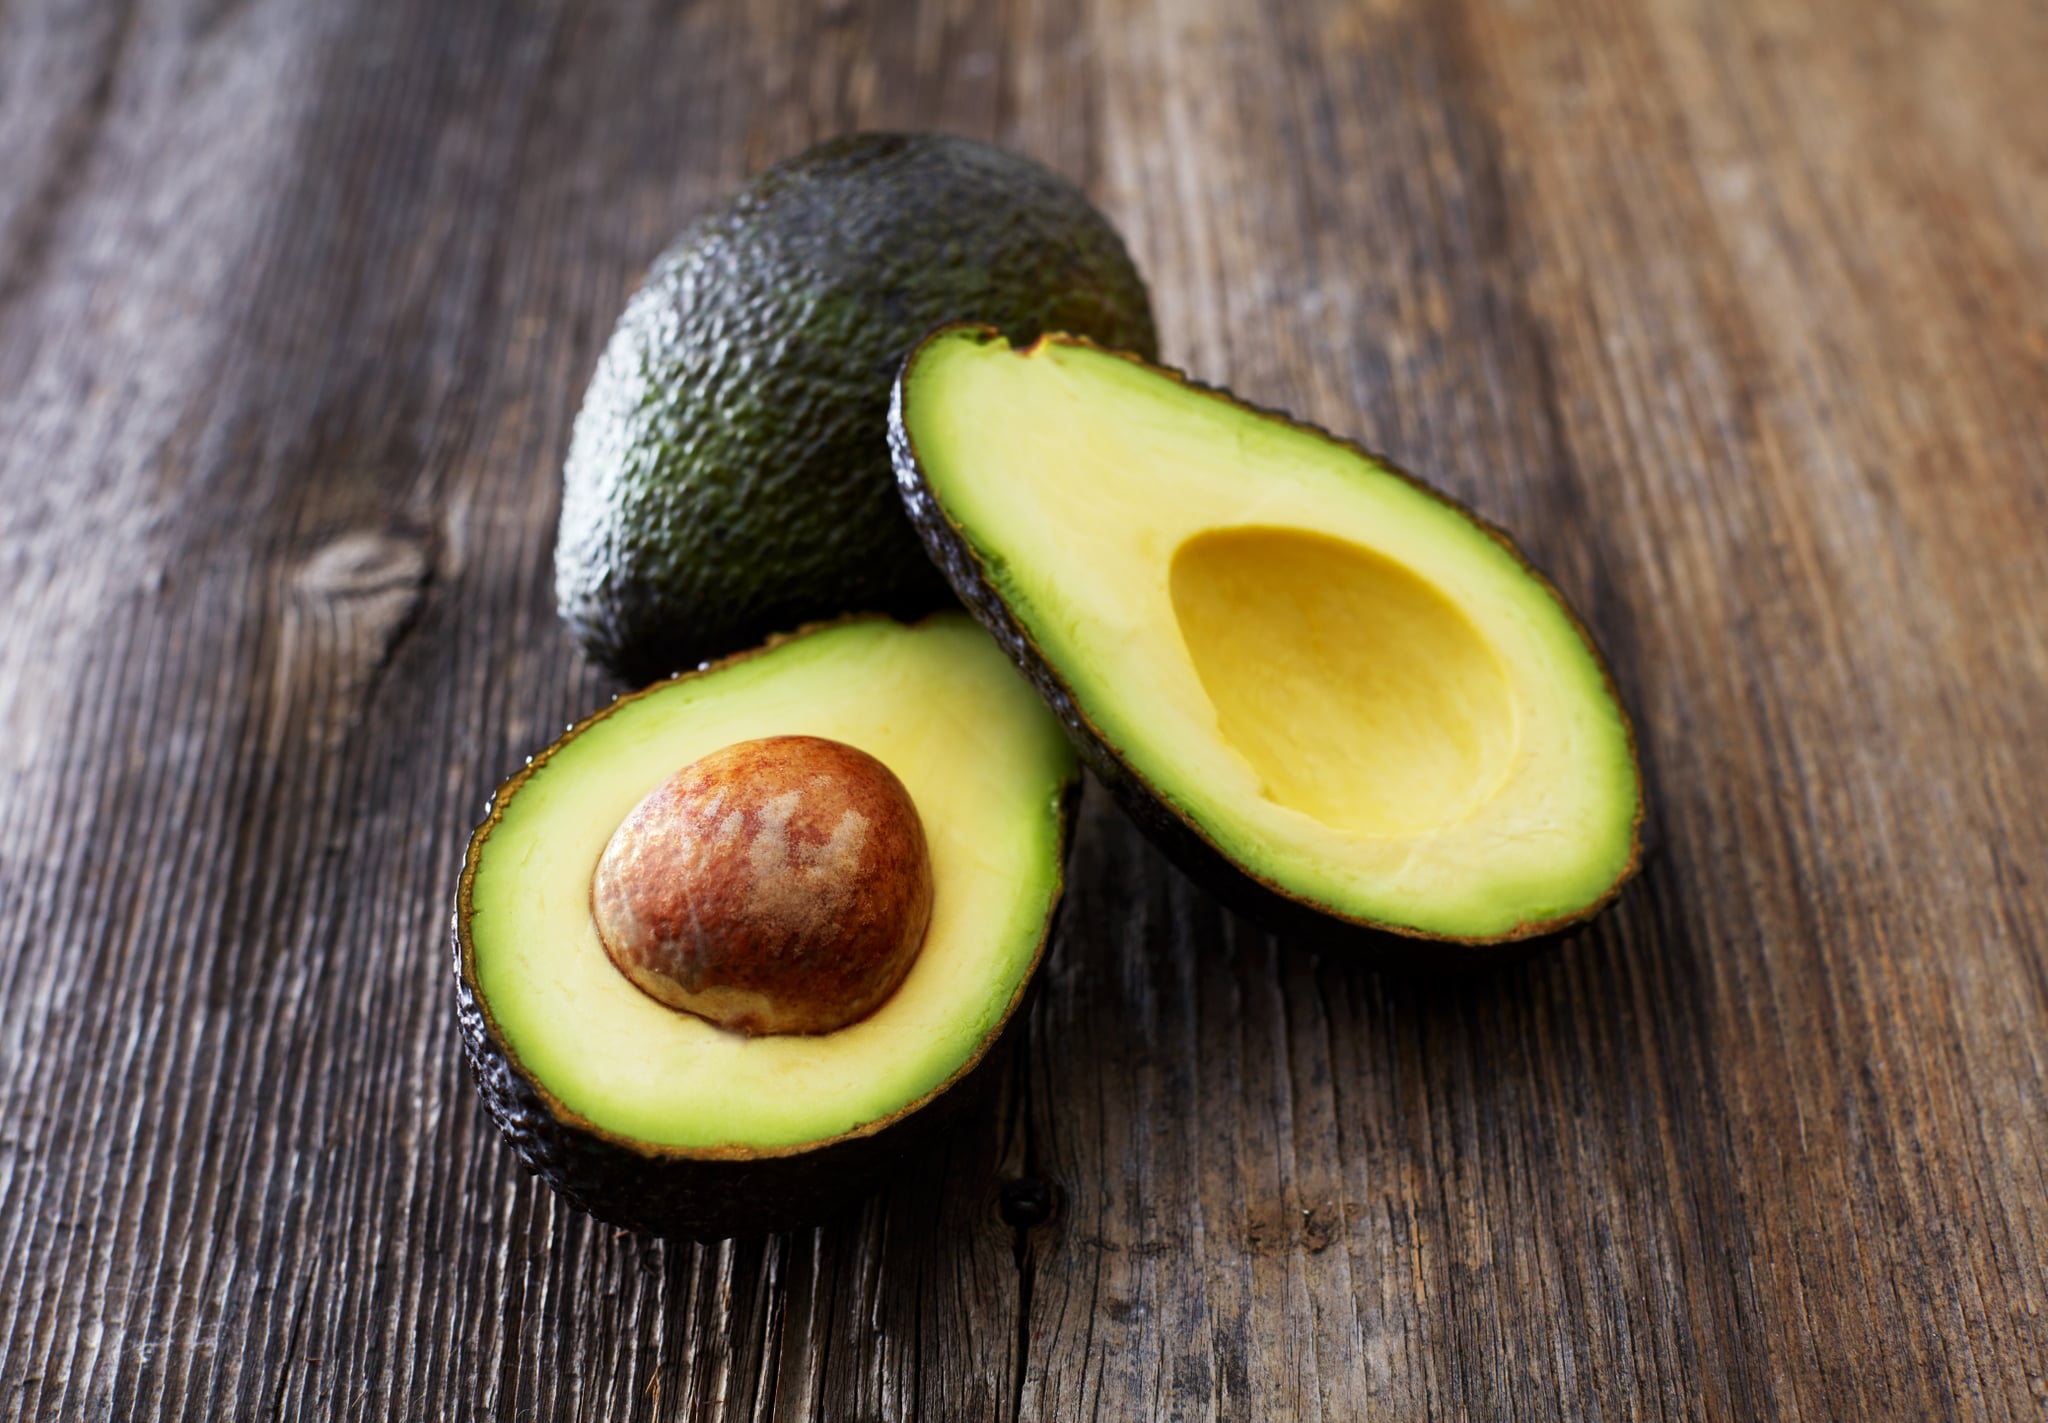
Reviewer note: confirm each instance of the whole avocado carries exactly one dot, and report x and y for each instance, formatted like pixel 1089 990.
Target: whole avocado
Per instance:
pixel 728 476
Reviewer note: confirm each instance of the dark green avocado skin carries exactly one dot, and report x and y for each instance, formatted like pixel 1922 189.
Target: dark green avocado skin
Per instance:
pixel 1265 903
pixel 728 476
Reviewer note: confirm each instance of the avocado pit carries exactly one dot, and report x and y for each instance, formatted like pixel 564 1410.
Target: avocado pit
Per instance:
pixel 775 886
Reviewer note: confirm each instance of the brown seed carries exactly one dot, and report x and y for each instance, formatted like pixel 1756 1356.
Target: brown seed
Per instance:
pixel 774 886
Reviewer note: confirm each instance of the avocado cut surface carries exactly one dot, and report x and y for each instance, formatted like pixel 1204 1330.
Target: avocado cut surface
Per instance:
pixel 1334 694
pixel 603 1087
pixel 728 473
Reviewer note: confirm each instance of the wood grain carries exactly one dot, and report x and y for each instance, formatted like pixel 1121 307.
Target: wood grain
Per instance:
pixel 1731 310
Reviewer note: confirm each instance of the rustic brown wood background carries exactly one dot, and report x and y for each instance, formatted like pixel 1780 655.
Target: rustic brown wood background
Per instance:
pixel 1734 310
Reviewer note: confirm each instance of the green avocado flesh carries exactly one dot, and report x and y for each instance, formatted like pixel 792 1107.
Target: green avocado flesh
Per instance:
pixel 728 476
pixel 1352 689
pixel 984 763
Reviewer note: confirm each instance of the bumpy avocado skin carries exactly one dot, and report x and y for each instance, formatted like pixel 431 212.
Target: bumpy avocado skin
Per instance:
pixel 728 475
pixel 1259 899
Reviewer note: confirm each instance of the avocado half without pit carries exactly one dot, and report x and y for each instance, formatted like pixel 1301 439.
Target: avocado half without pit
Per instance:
pixel 1337 698
pixel 734 946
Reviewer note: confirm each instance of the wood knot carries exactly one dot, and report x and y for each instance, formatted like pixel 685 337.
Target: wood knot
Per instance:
pixel 1026 1202
pixel 364 563
pixel 351 603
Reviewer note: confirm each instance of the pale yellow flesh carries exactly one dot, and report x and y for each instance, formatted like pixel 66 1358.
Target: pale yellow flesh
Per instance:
pixel 1351 688
pixel 984 763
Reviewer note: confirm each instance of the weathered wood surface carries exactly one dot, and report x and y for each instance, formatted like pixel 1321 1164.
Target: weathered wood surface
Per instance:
pixel 1734 311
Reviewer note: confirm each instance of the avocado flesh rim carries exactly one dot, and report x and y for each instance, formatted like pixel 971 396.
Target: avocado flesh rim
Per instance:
pixel 1351 688
pixel 987 769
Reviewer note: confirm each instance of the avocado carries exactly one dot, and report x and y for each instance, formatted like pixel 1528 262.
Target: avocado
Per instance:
pixel 728 474
pixel 655 1118
pixel 1337 698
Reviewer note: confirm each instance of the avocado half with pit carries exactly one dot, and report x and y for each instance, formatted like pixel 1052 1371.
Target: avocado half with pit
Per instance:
pixel 1336 697
pixel 658 1118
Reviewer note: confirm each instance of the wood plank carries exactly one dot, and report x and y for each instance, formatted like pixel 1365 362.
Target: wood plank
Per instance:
pixel 1690 1165
pixel 319 532
pixel 1731 312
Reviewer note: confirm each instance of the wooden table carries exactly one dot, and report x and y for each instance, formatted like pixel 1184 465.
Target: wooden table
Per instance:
pixel 1733 310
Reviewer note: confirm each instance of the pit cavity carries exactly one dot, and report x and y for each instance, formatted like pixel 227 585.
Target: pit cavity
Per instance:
pixel 1358 692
